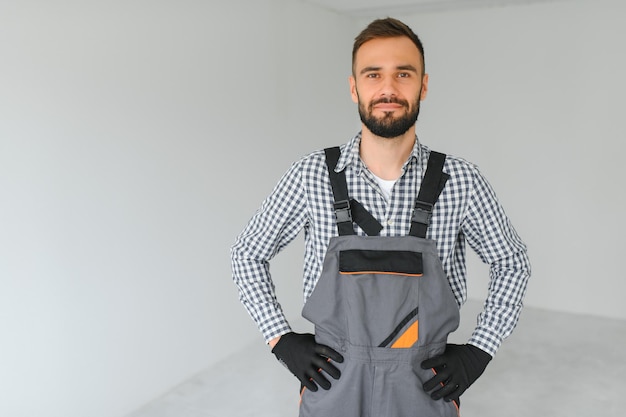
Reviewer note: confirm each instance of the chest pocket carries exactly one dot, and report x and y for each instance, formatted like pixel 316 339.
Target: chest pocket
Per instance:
pixel 381 289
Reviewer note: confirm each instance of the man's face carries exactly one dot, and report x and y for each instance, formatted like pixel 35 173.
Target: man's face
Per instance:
pixel 388 85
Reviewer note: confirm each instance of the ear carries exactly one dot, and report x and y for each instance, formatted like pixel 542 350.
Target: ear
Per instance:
pixel 424 92
pixel 353 92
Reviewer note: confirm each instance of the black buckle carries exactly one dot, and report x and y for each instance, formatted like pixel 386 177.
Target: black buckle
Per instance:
pixel 343 212
pixel 422 213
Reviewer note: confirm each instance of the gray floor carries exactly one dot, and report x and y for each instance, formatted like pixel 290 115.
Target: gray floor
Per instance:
pixel 554 365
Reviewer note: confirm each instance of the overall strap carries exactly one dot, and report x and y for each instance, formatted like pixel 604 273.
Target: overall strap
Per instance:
pixel 347 210
pixel 432 184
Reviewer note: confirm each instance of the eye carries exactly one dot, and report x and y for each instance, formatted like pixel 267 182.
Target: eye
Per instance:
pixel 404 75
pixel 372 75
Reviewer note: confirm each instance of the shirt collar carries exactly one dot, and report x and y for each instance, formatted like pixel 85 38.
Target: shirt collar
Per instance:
pixel 350 155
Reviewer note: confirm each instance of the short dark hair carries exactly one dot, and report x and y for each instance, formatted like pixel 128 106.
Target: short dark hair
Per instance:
pixel 386 28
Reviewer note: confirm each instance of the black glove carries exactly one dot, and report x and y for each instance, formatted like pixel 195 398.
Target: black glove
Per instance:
pixel 456 369
pixel 306 359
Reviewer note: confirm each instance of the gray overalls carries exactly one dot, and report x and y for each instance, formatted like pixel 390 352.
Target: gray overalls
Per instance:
pixel 385 304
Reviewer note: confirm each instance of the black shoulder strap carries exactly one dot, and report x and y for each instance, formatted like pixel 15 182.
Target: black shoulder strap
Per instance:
pixel 343 214
pixel 432 184
pixel 347 210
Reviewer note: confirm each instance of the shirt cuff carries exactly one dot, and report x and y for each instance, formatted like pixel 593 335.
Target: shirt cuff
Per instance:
pixel 272 328
pixel 486 339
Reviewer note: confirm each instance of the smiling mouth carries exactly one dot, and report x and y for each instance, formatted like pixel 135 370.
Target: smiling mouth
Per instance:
pixel 388 106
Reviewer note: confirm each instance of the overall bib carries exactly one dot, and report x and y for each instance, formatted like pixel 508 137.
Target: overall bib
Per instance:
pixel 385 304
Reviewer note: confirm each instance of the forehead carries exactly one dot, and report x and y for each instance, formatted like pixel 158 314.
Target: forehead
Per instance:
pixel 387 52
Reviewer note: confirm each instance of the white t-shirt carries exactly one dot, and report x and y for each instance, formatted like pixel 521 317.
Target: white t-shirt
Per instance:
pixel 385 186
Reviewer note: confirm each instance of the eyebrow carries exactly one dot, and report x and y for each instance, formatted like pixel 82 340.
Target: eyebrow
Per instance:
pixel 399 67
pixel 407 68
pixel 370 69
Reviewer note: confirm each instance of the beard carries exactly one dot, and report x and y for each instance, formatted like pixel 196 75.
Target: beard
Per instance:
pixel 389 126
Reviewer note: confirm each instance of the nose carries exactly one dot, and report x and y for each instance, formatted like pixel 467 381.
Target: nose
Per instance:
pixel 388 87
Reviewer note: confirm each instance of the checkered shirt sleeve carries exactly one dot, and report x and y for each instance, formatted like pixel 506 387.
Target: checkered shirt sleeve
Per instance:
pixel 277 222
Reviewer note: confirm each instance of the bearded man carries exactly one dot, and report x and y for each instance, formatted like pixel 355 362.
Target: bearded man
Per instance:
pixel 385 222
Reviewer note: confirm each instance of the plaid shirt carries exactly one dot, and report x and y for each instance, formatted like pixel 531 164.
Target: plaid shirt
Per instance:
pixel 467 211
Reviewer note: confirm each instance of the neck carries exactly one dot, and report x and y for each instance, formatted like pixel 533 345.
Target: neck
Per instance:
pixel 384 157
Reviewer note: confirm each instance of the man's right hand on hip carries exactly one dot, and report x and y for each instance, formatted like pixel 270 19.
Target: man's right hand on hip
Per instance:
pixel 306 359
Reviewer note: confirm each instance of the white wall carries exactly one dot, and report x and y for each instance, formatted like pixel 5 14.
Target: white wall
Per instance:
pixel 136 139
pixel 534 95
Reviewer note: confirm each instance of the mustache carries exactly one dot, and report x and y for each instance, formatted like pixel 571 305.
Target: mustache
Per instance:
pixel 387 100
